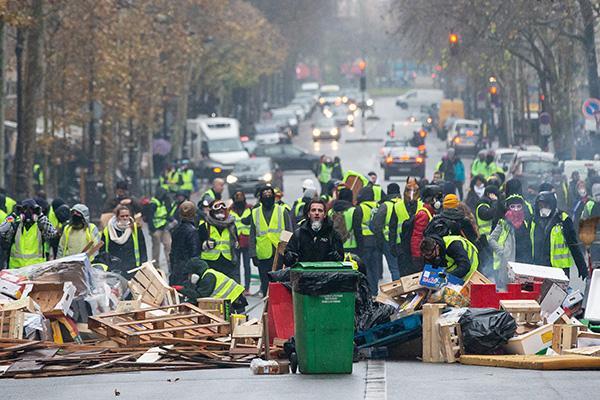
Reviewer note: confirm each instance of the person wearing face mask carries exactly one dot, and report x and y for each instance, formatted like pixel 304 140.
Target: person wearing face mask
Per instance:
pixel 124 244
pixel 457 255
pixel 315 239
pixel 591 212
pixel 488 211
pixel 478 166
pixel 267 222
pixel 241 212
pixel 477 189
pixel 218 236
pixel 365 239
pixel 510 239
pixel 553 238
pixel 24 232
pixel 514 187
pixel 79 234
pixel 432 197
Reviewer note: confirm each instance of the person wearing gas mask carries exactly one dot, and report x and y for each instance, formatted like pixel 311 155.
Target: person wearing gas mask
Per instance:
pixel 457 255
pixel 267 222
pixel 432 197
pixel 218 236
pixel 124 244
pixel 489 210
pixel 554 241
pixel 24 232
pixel 476 191
pixel 315 239
pixel 591 211
pixel 79 233
pixel 510 239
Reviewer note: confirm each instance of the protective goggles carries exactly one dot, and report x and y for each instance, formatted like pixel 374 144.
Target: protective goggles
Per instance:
pixel 218 206
pixel 515 207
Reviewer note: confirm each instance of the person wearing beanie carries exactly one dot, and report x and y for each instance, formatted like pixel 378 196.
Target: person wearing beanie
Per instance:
pixel 381 227
pixel 476 191
pixel 186 242
pixel 450 201
pixel 341 215
pixel 515 187
pixel 489 210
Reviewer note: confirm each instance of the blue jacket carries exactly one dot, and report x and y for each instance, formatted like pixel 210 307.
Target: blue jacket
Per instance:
pixel 459 171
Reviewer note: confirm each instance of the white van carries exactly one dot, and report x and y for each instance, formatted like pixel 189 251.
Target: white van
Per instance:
pixel 216 145
pixel 420 97
pixel 580 166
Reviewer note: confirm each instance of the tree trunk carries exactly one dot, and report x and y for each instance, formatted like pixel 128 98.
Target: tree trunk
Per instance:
pixel 2 149
pixel 589 46
pixel 32 82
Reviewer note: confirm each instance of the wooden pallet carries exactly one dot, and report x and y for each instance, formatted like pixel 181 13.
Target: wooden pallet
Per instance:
pixel 150 286
pixel 561 362
pixel 150 325
pixel 523 311
pixel 11 324
pixel 452 345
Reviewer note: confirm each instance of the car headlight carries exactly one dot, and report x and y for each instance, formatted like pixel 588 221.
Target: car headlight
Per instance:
pixel 217 170
pixel 322 100
pixel 370 102
pixel 316 132
pixel 334 131
pixel 344 99
pixel 350 118
pixel 352 107
pixel 232 179
pixel 267 177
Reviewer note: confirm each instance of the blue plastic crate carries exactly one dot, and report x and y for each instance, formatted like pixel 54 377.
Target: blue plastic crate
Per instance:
pixel 398 331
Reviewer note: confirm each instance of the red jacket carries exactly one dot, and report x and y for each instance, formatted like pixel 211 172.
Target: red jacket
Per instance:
pixel 421 221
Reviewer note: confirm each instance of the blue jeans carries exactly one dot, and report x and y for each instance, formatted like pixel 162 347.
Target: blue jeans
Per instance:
pixel 243 252
pixel 392 261
pixel 369 256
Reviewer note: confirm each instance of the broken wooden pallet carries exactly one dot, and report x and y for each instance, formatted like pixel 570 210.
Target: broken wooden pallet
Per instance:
pixel 149 325
pixel 11 324
pixel 151 287
pixel 534 362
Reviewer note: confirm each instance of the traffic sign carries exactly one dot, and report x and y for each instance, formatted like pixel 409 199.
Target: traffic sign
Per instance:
pixel 544 118
pixel 590 107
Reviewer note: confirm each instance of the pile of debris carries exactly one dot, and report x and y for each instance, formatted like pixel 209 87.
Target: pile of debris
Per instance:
pixel 66 317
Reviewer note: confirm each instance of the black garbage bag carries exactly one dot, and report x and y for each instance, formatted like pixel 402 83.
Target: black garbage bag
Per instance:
pixel 369 313
pixel 486 329
pixel 282 276
pixel 318 283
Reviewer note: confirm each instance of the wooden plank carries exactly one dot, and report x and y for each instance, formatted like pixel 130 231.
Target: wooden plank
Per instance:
pixel 546 363
pixel 431 334
pixel 592 351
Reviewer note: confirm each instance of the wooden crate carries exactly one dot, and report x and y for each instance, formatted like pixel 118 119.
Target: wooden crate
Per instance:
pixel 11 324
pixel 151 287
pixel 432 344
pixel 452 344
pixel 523 311
pixel 152 325
pixel 564 337
pixel 477 277
pixel 404 285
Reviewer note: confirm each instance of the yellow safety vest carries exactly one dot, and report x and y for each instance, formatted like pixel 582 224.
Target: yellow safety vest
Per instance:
pixel 325 173
pixel 560 254
pixel 136 244
pixel 350 243
pixel 267 235
pixel 9 204
pixel 188 180
pixel 390 207
pixel 222 247
pixel 242 229
pixel 377 193
pixel 28 247
pixel 471 253
pixel 67 231
pixel 225 287
pixel 367 209
pixel 501 242
pixel 173 180
pixel 485 227
pixel 160 214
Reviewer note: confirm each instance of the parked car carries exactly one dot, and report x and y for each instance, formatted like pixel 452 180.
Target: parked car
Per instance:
pixel 269 132
pixel 289 157
pixel 287 117
pixel 533 167
pixel 403 161
pixel 326 128
pixel 250 174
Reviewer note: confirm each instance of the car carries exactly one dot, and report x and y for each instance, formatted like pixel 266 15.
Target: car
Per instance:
pixel 460 124
pixel 250 174
pixel 581 166
pixel 286 117
pixel 299 110
pixel 289 157
pixel 341 114
pixel 419 97
pixel 403 161
pixel 329 95
pixel 388 145
pixel 326 128
pixel 269 132
pixel 533 167
pixel 504 156
pixel 466 141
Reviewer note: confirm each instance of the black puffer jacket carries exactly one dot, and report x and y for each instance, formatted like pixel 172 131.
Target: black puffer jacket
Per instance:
pixel 186 245
pixel 308 245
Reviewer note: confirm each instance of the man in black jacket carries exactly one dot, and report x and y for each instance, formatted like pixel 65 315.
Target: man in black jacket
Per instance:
pixel 315 239
pixel 186 242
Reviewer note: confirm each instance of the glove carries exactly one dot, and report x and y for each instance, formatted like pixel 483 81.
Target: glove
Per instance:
pixel 291 258
pixel 194 278
pixel 211 244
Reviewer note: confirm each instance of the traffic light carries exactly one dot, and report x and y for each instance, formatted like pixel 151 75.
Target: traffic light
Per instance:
pixel 362 65
pixel 454 42
pixel 494 95
pixel 363 83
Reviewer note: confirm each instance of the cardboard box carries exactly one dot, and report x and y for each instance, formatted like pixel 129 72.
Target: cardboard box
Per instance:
pixel 11 285
pixel 406 284
pixel 436 278
pixel 553 300
pixel 54 299
pixel 529 273
pixel 272 367
pixel 534 342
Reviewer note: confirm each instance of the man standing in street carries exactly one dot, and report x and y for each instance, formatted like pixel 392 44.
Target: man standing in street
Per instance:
pixel 158 216
pixel 367 245
pixel 240 210
pixel 478 167
pixel 267 222
pixel 324 173
pixel 381 226
pixel 378 193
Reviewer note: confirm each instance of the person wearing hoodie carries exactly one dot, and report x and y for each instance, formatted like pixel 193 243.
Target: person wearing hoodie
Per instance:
pixel 186 243
pixel 219 240
pixel 554 241
pixel 367 245
pixel 514 187
pixel 240 210
pixel 341 215
pixel 510 239
pixel 202 281
pixel 315 240
pixel 124 243
pixel 78 233
pixel 432 204
pixel 267 221
pixel 476 191
pixel 489 210
pixel 454 220
pixel 381 226
pixel 591 211
pixel 454 253
pixel 478 167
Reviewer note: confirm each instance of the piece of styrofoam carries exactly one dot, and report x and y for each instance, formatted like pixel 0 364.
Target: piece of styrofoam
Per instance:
pixel 592 307
pixel 523 273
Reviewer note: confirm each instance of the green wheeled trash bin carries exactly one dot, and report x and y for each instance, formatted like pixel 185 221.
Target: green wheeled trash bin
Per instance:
pixel 324 296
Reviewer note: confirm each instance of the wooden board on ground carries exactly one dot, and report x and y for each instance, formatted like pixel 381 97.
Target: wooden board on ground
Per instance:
pixel 548 363
pixel 592 351
pixel 564 337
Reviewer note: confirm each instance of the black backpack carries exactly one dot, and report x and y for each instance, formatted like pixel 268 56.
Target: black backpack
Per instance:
pixel 405 236
pixel 439 226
